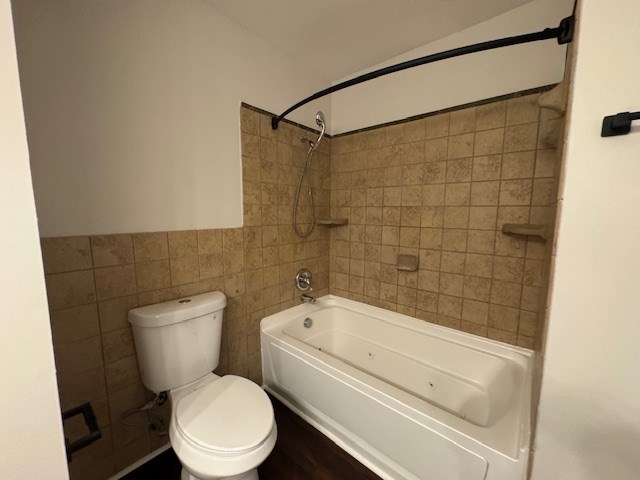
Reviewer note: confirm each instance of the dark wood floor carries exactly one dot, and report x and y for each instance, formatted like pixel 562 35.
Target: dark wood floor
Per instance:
pixel 301 453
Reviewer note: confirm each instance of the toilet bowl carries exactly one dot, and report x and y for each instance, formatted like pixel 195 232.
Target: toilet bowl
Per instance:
pixel 221 427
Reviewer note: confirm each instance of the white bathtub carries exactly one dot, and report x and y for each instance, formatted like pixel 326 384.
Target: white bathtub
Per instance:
pixel 409 399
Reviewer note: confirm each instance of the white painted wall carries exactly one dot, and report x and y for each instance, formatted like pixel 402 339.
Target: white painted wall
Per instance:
pixel 589 417
pixel 133 111
pixel 460 80
pixel 31 443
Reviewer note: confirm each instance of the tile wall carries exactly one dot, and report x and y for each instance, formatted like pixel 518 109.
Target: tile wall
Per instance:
pixel 441 188
pixel 92 281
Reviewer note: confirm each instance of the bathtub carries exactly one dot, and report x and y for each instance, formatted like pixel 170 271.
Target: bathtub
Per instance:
pixel 408 399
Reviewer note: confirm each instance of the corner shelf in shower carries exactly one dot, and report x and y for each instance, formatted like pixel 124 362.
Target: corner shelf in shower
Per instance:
pixel 527 229
pixel 333 222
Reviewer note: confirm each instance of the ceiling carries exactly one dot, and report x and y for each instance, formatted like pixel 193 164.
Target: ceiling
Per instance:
pixel 340 37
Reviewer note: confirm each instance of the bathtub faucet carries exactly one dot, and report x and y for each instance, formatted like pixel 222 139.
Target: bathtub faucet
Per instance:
pixel 306 298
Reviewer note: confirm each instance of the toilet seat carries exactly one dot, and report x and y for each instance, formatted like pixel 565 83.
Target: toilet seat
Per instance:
pixel 229 416
pixel 221 426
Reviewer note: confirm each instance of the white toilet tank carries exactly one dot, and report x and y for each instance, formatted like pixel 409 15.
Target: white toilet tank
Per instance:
pixel 178 342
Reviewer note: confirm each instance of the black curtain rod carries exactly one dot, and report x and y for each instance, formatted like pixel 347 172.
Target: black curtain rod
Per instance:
pixel 563 33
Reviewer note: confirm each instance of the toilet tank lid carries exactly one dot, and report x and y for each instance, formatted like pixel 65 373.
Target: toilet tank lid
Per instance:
pixel 176 311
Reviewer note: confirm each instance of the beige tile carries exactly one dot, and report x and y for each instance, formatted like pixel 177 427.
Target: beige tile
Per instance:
pixel 523 109
pixel 435 172
pixel 475 312
pixel 411 196
pixel 510 245
pixel 473 328
pixel 414 130
pixel 413 153
pixel 66 254
pixel 486 168
pixel 435 150
pixel 209 241
pixel 211 265
pixel 513 214
pixel 502 336
pixel 113 313
pixel 409 237
pixel 480 241
pixel 68 356
pixel 460 146
pixel 411 216
pixel 450 306
pixel 491 115
pixel 431 238
pixel 427 301
pixel 515 192
pixel 69 289
pixel 506 293
pixel 485 193
pixel 451 284
pixel 74 323
pixel 504 318
pixel 528 323
pixel 521 137
pixel 454 240
pixel 120 401
pixel 109 250
pixel 483 218
pixel 183 243
pixel 150 246
pixel 132 452
pixel 118 281
pixel 437 126
pixel 459 170
pixel 477 288
pixel 452 262
pixel 508 269
pixel 545 163
pixel 394 134
pixel 462 121
pixel 122 373
pixel 518 165
pixel 432 217
pixel 77 389
pixel 153 275
pixel 457 194
pixel 184 270
pixel 542 191
pixel 249 121
pixel 488 142
pixel 117 345
pixel 456 217
pixel 530 298
pixel 479 265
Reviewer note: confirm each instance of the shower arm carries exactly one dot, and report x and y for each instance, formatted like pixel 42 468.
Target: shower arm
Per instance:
pixel 563 34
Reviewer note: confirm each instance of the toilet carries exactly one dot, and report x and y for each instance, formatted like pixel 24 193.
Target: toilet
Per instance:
pixel 221 427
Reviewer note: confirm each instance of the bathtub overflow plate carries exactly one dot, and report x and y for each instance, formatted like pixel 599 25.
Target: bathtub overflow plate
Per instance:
pixel 308 322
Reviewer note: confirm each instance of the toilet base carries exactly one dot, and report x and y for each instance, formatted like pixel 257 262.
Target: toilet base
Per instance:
pixel 250 475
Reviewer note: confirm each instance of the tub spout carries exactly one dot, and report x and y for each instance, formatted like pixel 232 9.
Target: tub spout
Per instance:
pixel 306 298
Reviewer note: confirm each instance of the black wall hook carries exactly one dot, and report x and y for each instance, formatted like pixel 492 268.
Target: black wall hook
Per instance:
pixel 619 124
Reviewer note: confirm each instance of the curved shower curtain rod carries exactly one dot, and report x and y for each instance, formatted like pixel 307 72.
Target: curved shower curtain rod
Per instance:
pixel 563 33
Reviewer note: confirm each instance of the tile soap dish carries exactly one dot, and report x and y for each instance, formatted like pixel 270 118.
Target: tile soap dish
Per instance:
pixel 525 229
pixel 407 263
pixel 333 222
